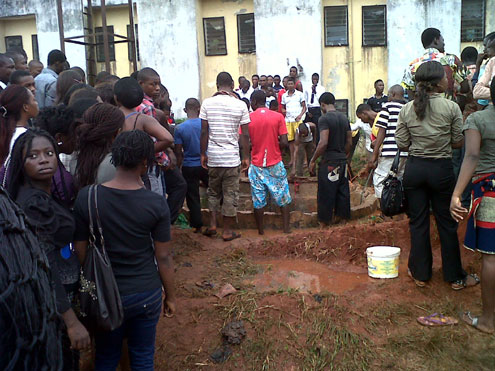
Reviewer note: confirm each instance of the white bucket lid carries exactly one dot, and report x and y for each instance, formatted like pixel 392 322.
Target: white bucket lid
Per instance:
pixel 382 251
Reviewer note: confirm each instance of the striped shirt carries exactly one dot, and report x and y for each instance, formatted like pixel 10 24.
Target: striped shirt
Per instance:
pixel 388 120
pixel 225 114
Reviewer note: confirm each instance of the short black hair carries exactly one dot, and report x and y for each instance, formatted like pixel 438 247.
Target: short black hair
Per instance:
pixel 5 59
pixel 80 105
pixel 130 148
pixel 269 76
pixel 262 76
pixel 258 96
pixel 192 103
pixel 224 79
pixel 81 86
pixel 17 75
pixel 377 81
pixel 59 119
pixel 56 56
pixel 248 104
pixel 17 50
pixel 128 92
pixel 291 79
pixel 276 76
pixel 293 67
pixel 429 35
pixel 255 75
pixel 327 98
pixel 105 91
pixel 273 104
pixel 469 55
pixel 147 73
pixel 315 74
pixel 241 77
pixel 363 108
pixel 134 75
pixel 302 126
pixel 101 76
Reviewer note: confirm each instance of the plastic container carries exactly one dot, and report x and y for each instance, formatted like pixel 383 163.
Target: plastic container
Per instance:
pixel 383 261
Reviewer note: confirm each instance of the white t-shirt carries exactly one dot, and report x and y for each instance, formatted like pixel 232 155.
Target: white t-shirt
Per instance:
pixel 225 114
pixel 367 132
pixel 309 92
pixel 309 137
pixel 247 94
pixel 293 105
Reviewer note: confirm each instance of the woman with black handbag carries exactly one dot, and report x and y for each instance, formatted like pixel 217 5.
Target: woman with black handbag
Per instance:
pixel 135 225
pixel 429 128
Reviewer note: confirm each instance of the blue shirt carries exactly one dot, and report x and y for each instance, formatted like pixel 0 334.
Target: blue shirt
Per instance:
pixel 46 88
pixel 188 134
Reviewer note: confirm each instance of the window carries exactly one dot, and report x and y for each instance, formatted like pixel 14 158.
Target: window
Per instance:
pixel 336 26
pixel 36 51
pixel 245 33
pixel 374 25
pixel 129 45
pixel 342 105
pixel 472 20
pixel 214 32
pixel 100 51
pixel 13 42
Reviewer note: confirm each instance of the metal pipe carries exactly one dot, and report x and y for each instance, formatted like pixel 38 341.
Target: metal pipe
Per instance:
pixel 60 17
pixel 106 48
pixel 132 37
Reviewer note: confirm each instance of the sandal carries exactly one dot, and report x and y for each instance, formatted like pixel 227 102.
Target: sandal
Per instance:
pixel 417 282
pixel 436 319
pixel 462 284
pixel 233 237
pixel 473 322
pixel 210 232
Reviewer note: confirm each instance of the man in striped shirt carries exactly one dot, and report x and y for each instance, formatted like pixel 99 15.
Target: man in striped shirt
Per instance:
pixel 385 148
pixel 221 117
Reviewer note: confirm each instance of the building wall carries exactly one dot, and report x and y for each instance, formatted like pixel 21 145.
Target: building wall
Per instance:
pixel 489 26
pixel 237 64
pixel 288 32
pixel 20 26
pixel 118 17
pixel 349 72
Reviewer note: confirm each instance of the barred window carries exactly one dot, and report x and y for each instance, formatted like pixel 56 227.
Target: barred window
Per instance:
pixel 472 20
pixel 100 50
pixel 245 33
pixel 36 51
pixel 214 33
pixel 374 25
pixel 342 105
pixel 13 42
pixel 336 30
pixel 129 45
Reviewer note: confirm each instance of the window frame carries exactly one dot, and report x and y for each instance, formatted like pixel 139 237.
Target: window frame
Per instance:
pixel 346 7
pixel 342 101
pixel 111 44
pixel 483 25
pixel 136 38
pixel 239 16
pixel 13 37
pixel 384 24
pixel 35 47
pixel 205 39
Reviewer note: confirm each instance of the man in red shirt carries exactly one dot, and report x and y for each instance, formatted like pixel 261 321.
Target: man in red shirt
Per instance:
pixel 281 92
pixel 267 172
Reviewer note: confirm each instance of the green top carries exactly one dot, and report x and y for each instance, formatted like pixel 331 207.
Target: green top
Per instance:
pixel 484 122
pixel 433 136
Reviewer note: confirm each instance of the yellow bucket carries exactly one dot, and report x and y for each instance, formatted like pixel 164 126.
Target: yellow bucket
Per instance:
pixel 383 261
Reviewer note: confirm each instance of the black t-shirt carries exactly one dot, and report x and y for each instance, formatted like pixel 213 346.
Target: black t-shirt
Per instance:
pixel 131 220
pixel 376 103
pixel 338 125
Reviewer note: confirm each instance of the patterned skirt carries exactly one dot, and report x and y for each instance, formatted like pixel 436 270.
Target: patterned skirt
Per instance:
pixel 480 232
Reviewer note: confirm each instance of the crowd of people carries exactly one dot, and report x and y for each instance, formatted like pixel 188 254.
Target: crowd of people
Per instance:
pixel 69 150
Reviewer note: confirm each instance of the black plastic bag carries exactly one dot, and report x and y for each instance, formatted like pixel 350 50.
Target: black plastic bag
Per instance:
pixel 393 201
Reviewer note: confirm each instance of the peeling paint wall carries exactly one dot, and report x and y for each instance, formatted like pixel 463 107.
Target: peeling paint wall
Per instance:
pixel 168 43
pixel 287 31
pixel 408 19
pixel 237 64
pixel 24 26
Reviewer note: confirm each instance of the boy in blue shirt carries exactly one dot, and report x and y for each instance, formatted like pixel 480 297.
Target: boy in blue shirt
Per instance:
pixel 187 150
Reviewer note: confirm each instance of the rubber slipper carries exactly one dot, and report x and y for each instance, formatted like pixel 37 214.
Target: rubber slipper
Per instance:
pixel 233 237
pixel 436 319
pixel 462 284
pixel 417 282
pixel 210 232
pixel 473 322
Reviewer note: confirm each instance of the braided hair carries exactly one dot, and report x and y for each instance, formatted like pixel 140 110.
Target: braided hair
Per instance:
pixel 101 124
pixel 427 77
pixel 130 148
pixel 16 175
pixel 12 101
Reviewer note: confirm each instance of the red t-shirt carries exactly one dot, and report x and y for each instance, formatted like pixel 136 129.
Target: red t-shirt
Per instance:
pixel 264 130
pixel 279 99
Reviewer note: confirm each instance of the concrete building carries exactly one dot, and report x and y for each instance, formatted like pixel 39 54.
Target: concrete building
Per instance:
pixel 350 43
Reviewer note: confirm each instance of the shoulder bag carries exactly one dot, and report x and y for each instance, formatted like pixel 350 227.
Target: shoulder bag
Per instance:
pixel 393 201
pixel 99 294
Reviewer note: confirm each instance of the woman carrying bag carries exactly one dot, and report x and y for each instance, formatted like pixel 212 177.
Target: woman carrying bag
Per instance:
pixel 428 128
pixel 135 225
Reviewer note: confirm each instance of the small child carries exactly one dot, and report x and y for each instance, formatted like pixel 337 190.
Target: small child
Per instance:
pixel 304 146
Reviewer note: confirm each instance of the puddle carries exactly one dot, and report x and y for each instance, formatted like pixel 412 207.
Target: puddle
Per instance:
pixel 307 277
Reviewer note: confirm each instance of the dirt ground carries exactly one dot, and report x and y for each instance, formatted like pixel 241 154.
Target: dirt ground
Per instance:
pixel 307 303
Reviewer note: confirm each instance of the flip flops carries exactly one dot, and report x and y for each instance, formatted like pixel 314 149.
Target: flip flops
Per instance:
pixel 233 237
pixel 210 232
pixel 473 322
pixel 417 282
pixel 437 319
pixel 462 284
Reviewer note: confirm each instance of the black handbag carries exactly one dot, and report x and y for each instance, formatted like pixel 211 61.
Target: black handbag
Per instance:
pixel 393 201
pixel 99 295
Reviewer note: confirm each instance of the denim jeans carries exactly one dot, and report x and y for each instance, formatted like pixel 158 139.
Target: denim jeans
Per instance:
pixel 141 314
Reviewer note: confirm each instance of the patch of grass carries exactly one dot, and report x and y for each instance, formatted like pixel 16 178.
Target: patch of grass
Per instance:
pixel 234 267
